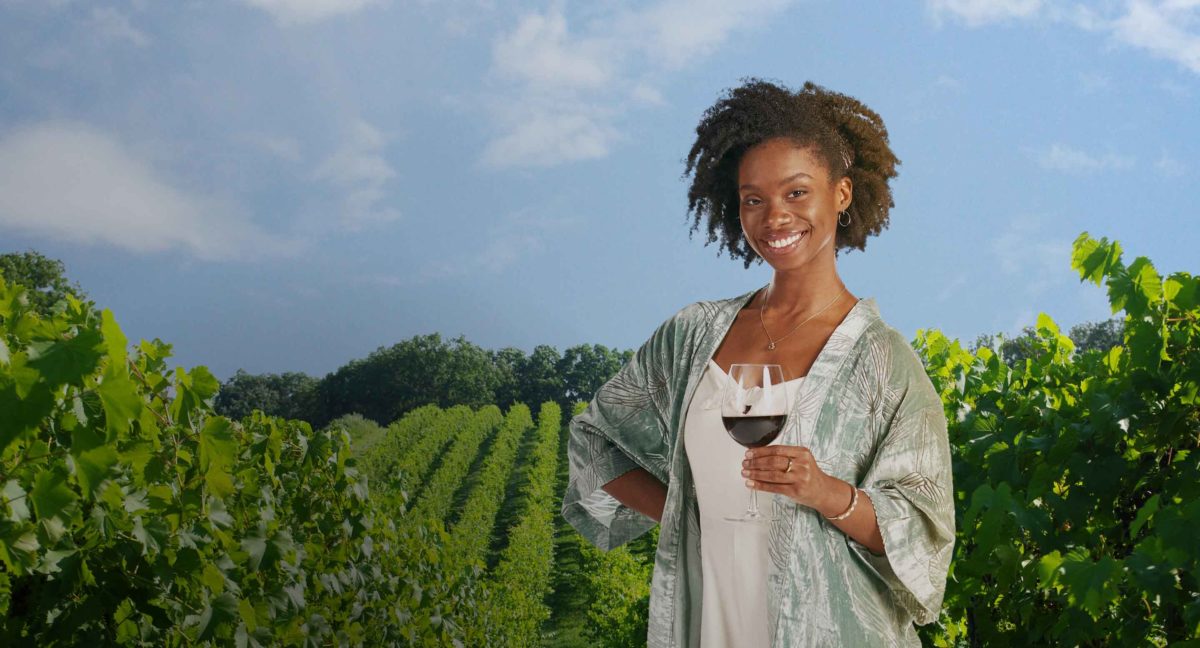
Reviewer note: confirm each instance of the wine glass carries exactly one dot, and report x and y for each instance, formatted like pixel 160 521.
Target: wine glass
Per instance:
pixel 753 409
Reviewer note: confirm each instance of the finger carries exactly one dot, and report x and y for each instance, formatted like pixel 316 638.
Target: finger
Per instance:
pixel 773 476
pixel 774 462
pixel 773 450
pixel 767 487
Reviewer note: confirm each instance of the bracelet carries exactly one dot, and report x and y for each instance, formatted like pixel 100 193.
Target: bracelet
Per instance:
pixel 853 502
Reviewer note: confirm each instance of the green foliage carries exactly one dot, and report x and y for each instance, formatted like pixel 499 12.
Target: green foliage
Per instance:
pixel 1077 474
pixel 513 610
pixel 438 494
pixel 288 395
pixel 364 433
pixel 131 514
pixel 471 534
pixel 391 441
pixel 619 586
pixel 414 443
pixel 44 279
pixel 427 369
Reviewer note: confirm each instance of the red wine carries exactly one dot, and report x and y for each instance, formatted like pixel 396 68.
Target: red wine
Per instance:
pixel 753 431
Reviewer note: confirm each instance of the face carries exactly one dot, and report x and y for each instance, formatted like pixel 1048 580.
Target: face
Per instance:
pixel 785 192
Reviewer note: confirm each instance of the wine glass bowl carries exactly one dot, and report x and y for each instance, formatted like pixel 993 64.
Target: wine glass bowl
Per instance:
pixel 753 411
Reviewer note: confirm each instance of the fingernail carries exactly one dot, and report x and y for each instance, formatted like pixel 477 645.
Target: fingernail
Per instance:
pixel 745 473
pixel 749 483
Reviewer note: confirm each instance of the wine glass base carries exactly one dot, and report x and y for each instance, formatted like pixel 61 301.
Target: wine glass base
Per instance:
pixel 761 518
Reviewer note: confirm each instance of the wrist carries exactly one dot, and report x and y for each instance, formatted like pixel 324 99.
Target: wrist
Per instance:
pixel 838 495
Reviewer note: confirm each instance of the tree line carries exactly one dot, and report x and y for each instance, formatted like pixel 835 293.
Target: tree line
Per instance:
pixel 424 369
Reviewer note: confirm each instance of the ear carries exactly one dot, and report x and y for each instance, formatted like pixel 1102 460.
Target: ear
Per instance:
pixel 844 192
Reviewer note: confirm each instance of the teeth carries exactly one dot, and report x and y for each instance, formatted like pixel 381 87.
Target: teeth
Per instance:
pixel 781 243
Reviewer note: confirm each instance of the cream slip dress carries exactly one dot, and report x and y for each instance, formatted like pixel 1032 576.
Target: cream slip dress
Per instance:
pixel 733 555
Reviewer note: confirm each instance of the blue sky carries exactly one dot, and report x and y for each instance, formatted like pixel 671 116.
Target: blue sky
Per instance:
pixel 285 185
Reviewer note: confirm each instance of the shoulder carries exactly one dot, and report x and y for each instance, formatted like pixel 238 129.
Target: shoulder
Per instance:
pixel 707 310
pixel 905 370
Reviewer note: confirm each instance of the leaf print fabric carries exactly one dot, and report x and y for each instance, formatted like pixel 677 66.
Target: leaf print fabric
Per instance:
pixel 871 417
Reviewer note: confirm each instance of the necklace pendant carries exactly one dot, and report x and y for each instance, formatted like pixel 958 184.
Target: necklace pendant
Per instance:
pixel 771 346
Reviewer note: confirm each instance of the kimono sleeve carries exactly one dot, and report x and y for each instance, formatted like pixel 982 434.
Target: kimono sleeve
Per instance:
pixel 910 486
pixel 623 427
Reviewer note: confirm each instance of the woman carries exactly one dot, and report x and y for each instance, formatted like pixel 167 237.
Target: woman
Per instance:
pixel 860 476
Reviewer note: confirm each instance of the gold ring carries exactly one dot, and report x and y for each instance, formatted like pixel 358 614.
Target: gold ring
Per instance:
pixel 789 468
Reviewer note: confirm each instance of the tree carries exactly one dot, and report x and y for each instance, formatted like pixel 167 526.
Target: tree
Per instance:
pixel 539 377
pixel 43 277
pixel 1100 336
pixel 506 364
pixel 287 395
pixel 584 368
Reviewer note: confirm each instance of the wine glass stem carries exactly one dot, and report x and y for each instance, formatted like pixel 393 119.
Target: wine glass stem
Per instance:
pixel 753 510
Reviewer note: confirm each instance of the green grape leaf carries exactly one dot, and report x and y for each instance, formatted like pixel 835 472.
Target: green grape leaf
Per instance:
pixel 67 361
pixel 1094 259
pixel 1049 569
pixel 1182 291
pixel 51 494
pixel 115 342
pixel 204 384
pixel 120 399
pixel 218 450
pixel 1092 586
pixel 217 612
pixel 14 497
pixel 93 460
pixel 213 579
pixel 1143 515
pixel 1146 280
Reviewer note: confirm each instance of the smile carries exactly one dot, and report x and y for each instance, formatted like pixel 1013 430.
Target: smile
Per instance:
pixel 786 244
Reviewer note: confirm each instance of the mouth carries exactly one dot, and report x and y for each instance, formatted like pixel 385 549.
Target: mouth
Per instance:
pixel 786 244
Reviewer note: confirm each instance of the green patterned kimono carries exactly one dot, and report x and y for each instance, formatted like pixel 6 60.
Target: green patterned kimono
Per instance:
pixel 871 417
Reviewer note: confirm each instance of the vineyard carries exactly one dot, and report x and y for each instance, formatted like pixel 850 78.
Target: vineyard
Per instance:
pixel 132 514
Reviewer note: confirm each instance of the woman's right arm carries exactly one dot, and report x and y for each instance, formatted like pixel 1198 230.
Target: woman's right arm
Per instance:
pixel 640 491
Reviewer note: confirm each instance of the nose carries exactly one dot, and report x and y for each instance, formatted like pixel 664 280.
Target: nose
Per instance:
pixel 778 214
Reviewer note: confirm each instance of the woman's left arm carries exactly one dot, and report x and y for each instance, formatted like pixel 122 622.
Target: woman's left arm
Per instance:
pixel 902 525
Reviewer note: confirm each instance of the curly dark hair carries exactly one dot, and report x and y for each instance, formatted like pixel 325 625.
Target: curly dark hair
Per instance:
pixel 847 135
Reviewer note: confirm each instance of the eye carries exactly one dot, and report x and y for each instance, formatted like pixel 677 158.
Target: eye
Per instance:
pixel 796 193
pixel 750 201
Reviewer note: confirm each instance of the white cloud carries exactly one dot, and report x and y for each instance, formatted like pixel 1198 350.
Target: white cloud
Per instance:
pixel 279 146
pixel 71 182
pixel 981 12
pixel 1060 157
pixel 308 11
pixel 359 170
pixel 550 135
pixel 510 239
pixel 564 86
pixel 1036 258
pixel 115 26
pixel 1163 28
pixel 541 53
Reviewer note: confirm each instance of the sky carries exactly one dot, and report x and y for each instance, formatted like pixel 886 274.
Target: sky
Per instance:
pixel 287 185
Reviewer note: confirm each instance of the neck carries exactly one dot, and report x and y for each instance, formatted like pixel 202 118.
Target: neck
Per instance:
pixel 802 290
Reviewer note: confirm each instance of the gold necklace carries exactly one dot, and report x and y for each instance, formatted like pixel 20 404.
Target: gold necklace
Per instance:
pixel 771 345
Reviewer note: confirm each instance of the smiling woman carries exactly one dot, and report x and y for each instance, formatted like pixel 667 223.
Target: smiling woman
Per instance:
pixel 862 525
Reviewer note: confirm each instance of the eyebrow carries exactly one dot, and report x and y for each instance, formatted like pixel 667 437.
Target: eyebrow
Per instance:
pixel 782 182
